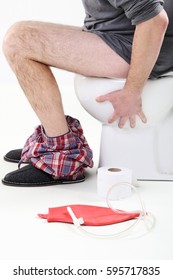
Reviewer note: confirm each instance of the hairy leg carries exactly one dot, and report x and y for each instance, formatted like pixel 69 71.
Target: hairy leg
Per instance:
pixel 32 48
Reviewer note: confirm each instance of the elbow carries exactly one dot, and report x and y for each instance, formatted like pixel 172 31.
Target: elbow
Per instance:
pixel 162 21
pixel 157 24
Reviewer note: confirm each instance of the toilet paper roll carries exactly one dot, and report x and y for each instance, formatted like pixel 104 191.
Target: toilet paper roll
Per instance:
pixel 109 176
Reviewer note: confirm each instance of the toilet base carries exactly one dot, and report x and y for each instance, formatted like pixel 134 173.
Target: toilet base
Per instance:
pixel 147 151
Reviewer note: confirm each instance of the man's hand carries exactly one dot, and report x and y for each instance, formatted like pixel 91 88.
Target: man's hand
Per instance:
pixel 126 106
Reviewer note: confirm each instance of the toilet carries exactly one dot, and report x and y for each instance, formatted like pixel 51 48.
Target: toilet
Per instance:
pixel 147 149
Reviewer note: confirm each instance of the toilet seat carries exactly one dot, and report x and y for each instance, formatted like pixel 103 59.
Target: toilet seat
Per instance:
pixel 156 101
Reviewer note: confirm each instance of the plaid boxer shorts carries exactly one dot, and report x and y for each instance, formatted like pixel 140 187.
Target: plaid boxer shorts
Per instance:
pixel 63 156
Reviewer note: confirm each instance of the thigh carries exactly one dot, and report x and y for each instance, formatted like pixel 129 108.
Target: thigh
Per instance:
pixel 69 48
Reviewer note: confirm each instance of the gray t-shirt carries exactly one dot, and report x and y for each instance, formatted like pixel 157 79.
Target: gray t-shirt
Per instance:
pixel 114 21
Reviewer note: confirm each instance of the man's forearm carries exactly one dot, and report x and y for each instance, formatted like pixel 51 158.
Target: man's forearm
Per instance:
pixel 146 47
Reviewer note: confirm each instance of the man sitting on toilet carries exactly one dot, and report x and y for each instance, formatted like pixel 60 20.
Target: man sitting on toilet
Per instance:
pixel 120 38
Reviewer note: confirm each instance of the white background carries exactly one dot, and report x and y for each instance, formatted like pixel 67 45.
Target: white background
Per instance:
pixel 23 235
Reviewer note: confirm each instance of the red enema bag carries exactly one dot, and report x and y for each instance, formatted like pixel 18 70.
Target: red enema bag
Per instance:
pixel 92 215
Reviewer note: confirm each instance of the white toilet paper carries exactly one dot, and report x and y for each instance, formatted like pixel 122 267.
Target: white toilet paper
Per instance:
pixel 109 176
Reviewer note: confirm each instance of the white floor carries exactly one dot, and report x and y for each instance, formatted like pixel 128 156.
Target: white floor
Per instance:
pixel 24 236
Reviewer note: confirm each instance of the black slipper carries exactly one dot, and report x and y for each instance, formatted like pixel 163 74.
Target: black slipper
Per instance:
pixel 13 155
pixel 31 176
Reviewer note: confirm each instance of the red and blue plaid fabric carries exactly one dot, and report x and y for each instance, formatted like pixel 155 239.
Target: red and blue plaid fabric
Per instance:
pixel 62 156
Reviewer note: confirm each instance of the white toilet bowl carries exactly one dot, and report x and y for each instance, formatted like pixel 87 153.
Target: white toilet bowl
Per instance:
pixel 147 149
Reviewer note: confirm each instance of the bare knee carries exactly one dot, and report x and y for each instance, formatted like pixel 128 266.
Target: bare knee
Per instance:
pixel 15 40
